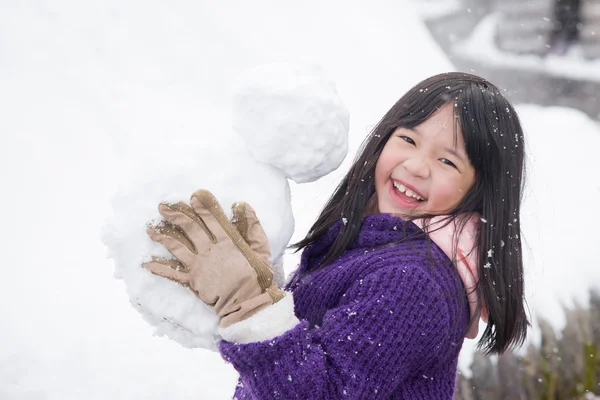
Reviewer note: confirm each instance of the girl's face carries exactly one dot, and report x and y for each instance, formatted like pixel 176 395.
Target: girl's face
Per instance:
pixel 424 170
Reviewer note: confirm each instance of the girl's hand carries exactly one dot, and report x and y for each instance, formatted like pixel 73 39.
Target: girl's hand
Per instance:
pixel 225 263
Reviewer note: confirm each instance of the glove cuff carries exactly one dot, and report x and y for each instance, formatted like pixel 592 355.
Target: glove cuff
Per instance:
pixel 266 324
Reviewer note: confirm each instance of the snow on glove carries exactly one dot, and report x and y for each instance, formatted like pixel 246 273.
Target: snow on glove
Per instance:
pixel 225 263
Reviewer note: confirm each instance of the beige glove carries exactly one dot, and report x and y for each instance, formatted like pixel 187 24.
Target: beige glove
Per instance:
pixel 225 263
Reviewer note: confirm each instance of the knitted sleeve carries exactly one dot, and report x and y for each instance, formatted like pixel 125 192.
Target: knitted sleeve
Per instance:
pixel 390 325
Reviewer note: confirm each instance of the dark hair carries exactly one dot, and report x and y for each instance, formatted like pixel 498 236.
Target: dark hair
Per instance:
pixel 495 146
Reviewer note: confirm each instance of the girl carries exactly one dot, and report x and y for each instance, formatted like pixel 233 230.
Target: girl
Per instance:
pixel 419 241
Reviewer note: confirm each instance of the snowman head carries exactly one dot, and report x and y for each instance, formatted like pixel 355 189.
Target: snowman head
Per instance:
pixel 291 117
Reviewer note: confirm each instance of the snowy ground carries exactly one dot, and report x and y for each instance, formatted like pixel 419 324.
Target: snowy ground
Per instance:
pixel 89 91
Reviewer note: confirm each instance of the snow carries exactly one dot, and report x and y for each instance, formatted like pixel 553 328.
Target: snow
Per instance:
pixel 293 122
pixel 433 9
pixel 292 118
pixel 480 46
pixel 560 232
pixel 92 93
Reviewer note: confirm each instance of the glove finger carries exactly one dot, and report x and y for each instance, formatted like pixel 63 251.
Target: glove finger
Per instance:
pixel 248 225
pixel 239 221
pixel 173 239
pixel 184 217
pixel 207 206
pixel 168 268
pixel 177 272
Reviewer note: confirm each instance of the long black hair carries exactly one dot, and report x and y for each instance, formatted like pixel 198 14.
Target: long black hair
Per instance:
pixel 495 146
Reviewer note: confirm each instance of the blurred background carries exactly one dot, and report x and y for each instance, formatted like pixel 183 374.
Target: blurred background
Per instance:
pixel 544 52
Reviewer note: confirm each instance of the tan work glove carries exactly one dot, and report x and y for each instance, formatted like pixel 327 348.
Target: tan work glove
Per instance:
pixel 225 263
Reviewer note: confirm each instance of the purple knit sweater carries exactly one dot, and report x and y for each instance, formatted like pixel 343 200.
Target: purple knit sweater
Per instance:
pixel 381 322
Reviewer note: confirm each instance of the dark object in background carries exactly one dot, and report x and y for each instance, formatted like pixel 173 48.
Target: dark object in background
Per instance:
pixel 549 26
pixel 589 30
pixel 566 25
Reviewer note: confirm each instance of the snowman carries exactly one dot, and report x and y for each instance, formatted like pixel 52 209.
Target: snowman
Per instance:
pixel 287 122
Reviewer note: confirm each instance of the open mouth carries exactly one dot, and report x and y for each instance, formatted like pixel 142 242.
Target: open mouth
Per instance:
pixel 405 195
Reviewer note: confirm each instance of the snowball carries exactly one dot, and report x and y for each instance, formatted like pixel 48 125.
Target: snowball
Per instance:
pixel 170 308
pixel 292 118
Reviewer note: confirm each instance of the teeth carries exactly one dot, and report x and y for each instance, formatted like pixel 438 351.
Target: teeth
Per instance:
pixel 402 189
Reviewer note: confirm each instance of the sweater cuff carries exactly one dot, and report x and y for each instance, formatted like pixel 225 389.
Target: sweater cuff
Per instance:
pixel 266 324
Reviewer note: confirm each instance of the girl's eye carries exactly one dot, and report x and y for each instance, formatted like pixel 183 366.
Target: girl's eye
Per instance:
pixel 408 140
pixel 448 162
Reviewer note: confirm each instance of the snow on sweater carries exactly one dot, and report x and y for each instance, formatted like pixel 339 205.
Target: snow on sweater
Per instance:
pixel 385 320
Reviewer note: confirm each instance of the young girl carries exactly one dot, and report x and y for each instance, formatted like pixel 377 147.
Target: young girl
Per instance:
pixel 419 241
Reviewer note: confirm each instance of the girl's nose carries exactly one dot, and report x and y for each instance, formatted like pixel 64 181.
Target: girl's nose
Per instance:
pixel 417 166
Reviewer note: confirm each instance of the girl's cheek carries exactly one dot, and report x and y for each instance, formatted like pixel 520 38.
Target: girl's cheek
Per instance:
pixel 448 192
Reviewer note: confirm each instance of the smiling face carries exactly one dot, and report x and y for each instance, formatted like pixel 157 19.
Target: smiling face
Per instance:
pixel 424 170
